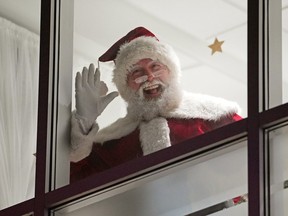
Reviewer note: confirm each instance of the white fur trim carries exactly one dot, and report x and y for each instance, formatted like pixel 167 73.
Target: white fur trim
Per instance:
pixel 192 106
pixel 154 135
pixel 118 129
pixel 141 48
pixel 204 106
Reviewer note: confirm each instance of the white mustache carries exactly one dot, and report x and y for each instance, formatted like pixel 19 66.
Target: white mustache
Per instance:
pixel 148 84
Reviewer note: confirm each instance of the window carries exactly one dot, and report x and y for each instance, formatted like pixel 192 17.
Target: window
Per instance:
pixel 201 68
pixel 19 71
pixel 194 186
pixel 277 142
pixel 51 194
pixel 276 69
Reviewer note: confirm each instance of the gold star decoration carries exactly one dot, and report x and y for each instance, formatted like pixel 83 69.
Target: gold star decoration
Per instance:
pixel 216 46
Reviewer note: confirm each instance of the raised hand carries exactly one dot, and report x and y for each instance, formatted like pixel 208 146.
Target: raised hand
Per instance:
pixel 90 93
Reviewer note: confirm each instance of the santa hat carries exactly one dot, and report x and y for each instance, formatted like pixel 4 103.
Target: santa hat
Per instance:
pixel 138 44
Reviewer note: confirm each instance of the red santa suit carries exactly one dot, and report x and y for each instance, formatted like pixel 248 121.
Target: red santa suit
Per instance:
pixel 127 139
pixel 135 136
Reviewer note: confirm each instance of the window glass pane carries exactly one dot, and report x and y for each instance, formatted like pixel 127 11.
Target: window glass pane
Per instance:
pixel 19 62
pixel 61 76
pixel 284 49
pixel 189 29
pixel 212 52
pixel 214 184
pixel 277 53
pixel 278 170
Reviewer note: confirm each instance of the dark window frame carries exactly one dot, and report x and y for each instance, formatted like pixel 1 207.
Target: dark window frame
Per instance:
pixel 252 127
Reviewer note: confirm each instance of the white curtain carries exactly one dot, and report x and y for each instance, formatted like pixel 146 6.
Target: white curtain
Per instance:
pixel 19 67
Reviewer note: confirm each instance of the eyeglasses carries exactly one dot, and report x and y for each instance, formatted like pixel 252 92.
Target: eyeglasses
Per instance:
pixel 144 78
pixel 139 74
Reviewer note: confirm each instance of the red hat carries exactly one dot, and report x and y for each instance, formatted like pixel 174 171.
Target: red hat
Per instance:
pixel 138 44
pixel 112 52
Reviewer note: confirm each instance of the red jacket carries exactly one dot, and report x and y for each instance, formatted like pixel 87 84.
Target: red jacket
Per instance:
pixel 114 152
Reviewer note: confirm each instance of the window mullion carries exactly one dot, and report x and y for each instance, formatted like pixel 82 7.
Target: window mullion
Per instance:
pixel 255 101
pixel 45 77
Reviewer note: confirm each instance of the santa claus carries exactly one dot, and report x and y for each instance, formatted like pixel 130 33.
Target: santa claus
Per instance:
pixel 159 112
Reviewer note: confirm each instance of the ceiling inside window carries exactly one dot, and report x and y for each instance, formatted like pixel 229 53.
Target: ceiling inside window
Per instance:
pixel 189 26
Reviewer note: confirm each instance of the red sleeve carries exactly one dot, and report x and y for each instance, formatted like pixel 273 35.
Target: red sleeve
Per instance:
pixel 86 167
pixel 236 117
pixel 225 120
pixel 105 156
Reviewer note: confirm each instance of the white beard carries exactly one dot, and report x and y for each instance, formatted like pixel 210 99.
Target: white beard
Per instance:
pixel 146 109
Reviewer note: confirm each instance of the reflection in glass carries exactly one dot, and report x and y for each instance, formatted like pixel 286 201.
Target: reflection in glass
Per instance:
pixel 278 170
pixel 190 187
pixel 19 52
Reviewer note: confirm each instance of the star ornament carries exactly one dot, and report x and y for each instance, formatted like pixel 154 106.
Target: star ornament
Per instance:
pixel 216 46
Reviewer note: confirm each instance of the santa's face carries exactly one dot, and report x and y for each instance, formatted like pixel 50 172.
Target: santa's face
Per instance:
pixel 148 78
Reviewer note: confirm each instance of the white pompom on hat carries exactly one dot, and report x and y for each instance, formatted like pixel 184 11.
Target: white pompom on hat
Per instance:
pixel 139 44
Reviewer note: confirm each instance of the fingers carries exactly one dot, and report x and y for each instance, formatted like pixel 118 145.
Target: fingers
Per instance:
pixel 89 78
pixel 84 76
pixel 103 88
pixel 78 81
pixel 88 75
pixel 91 74
pixel 108 98
pixel 97 77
